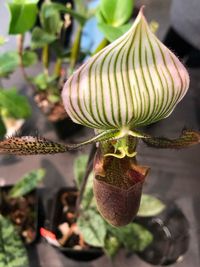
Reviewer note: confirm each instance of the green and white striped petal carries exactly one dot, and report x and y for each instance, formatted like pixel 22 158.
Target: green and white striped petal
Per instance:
pixel 134 81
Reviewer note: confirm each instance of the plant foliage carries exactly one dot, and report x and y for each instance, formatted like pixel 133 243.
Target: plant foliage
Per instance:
pixel 150 206
pixel 12 250
pixel 23 15
pixel 93 228
pixel 9 61
pixel 14 105
pixel 27 183
pixel 115 12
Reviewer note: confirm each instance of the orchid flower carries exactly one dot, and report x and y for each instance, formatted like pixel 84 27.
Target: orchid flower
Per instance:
pixel 133 82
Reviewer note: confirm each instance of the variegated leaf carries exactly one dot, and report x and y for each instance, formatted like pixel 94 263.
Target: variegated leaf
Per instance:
pixel 134 81
pixel 12 250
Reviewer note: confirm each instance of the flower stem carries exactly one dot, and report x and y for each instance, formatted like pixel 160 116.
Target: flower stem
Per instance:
pixel 85 179
pixel 57 67
pixel 75 49
pixel 45 59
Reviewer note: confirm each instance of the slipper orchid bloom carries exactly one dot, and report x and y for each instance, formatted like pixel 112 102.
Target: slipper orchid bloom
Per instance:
pixel 135 81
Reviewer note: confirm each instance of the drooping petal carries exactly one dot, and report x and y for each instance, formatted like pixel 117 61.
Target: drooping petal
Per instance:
pixel 134 81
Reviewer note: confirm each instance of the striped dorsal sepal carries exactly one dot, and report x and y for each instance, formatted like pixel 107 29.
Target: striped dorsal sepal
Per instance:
pixel 134 81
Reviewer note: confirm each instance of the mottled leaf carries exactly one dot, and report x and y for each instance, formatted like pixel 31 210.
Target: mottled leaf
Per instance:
pixel 134 237
pixel 12 250
pixel 28 183
pixel 150 206
pixel 93 228
pixel 112 245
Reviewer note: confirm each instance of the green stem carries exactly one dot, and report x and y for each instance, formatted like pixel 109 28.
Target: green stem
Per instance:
pixel 57 68
pixel 102 44
pixel 20 49
pixel 75 49
pixel 45 59
pixel 85 179
pixel 1 84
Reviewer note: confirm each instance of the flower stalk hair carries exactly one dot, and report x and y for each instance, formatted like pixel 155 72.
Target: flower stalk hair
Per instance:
pixel 133 82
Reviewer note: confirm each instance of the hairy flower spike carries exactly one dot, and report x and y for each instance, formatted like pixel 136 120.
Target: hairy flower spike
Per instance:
pixel 134 81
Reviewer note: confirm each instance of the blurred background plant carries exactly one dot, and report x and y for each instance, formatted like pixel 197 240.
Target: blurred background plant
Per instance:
pixel 14 107
pixel 59 33
pixel 19 218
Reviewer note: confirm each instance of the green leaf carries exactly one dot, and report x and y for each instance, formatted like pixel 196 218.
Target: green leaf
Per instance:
pixel 61 8
pixel 115 12
pixel 53 98
pixel 27 183
pixel 29 58
pixel 25 1
pixel 40 38
pixel 13 104
pixel 3 40
pixel 12 250
pixel 43 82
pixel 9 61
pixel 40 81
pixel 51 21
pixel 2 129
pixel 150 206
pixel 112 245
pixel 111 33
pixel 23 16
pixel 134 237
pixel 93 228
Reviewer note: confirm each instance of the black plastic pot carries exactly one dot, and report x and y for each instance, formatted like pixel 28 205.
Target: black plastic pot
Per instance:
pixel 170 230
pixel 37 209
pixel 57 218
